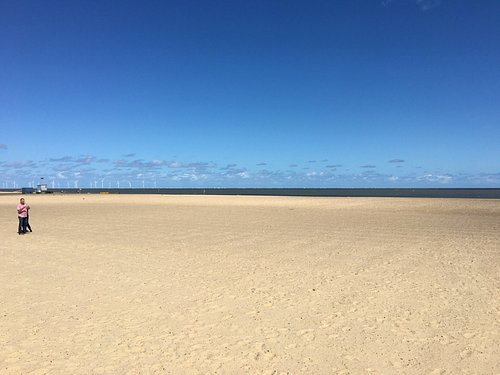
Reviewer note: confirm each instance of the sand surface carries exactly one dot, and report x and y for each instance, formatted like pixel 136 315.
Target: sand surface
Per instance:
pixel 110 284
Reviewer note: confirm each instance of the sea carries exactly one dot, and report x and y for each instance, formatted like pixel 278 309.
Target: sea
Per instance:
pixel 484 193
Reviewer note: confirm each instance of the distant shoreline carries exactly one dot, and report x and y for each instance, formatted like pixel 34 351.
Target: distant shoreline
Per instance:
pixel 485 193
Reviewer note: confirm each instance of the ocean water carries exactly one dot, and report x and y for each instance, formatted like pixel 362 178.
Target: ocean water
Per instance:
pixel 491 193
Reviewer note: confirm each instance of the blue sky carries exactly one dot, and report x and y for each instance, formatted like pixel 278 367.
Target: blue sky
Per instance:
pixel 348 93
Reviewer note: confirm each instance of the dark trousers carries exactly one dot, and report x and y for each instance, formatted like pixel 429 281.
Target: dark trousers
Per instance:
pixel 22 224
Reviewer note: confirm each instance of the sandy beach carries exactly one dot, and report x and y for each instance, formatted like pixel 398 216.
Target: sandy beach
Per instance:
pixel 144 284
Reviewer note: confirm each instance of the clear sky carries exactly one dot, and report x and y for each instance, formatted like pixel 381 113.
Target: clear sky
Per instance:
pixel 197 93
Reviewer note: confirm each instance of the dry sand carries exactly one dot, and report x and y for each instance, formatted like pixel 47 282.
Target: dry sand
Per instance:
pixel 250 285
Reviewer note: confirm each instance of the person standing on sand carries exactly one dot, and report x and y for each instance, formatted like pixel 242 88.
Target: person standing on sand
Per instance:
pixel 28 220
pixel 22 215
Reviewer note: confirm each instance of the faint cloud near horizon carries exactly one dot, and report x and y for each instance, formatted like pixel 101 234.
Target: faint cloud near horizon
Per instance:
pixel 63 159
pixel 438 178
pixel 89 170
pixel 428 4
pixel 396 161
pixel 424 5
pixel 82 159
pixel 228 167
pixel 3 146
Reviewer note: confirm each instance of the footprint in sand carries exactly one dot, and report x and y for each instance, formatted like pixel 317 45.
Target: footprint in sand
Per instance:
pixel 469 335
pixel 466 353
pixel 262 352
pixel 307 334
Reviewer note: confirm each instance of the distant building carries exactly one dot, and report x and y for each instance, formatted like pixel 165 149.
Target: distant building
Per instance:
pixel 27 190
pixel 41 188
